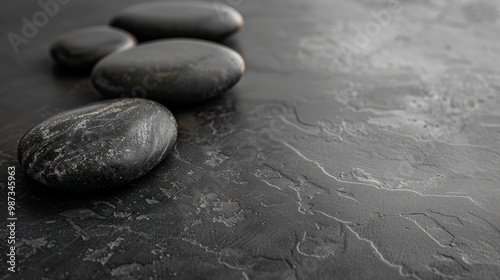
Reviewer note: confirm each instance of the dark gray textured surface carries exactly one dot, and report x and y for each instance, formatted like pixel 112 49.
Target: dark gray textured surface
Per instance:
pixel 174 71
pixel 379 165
pixel 99 146
pixel 187 19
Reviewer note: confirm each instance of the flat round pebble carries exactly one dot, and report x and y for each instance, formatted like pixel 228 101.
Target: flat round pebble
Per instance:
pixel 83 48
pixel 188 19
pixel 98 146
pixel 176 71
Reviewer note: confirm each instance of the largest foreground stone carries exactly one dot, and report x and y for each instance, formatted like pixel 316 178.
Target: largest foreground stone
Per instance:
pixel 98 146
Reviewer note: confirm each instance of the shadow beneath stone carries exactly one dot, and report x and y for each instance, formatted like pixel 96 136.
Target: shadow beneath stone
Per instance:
pixel 44 193
pixel 42 199
pixel 65 73
pixel 224 99
pixel 233 42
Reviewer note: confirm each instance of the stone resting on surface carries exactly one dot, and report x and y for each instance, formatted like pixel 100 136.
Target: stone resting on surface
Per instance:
pixel 81 49
pixel 187 19
pixel 98 146
pixel 176 71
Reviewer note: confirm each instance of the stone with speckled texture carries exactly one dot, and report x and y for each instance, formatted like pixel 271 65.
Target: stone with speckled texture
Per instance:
pixel 187 19
pixel 170 71
pixel 98 146
pixel 82 48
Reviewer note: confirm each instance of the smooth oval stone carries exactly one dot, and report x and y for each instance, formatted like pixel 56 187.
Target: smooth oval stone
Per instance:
pixel 187 19
pixel 98 146
pixel 83 48
pixel 169 71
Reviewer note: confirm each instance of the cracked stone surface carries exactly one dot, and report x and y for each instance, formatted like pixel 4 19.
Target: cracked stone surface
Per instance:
pixel 334 157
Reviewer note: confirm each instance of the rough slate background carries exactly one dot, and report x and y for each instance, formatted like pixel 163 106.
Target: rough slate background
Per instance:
pixel 381 165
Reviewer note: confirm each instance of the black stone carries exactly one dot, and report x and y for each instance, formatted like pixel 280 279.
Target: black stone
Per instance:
pixel 157 20
pixel 170 71
pixel 81 49
pixel 98 146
